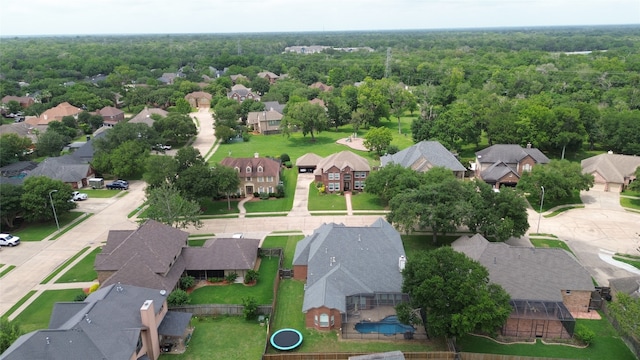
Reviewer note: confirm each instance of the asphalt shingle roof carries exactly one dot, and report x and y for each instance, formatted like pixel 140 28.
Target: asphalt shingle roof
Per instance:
pixel 510 154
pixel 65 168
pixel 341 161
pixel 222 254
pixel 423 156
pixel 612 167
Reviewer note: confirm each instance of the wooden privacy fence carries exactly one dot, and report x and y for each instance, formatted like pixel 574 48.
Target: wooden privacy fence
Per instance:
pixel 475 356
pixel 220 309
pixel 345 356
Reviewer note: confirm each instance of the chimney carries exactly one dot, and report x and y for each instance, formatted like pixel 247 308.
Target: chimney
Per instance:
pixel 528 145
pixel 402 262
pixel 256 155
pixel 150 334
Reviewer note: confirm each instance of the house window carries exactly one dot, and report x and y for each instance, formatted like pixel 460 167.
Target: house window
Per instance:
pixel 333 320
pixel 261 189
pixel 315 320
pixel 260 179
pixel 269 178
pixel 248 178
pixel 330 176
pixel 324 320
pixel 237 169
pixel 259 168
pixel 336 176
pixel 336 186
pixel 248 169
pixel 330 187
pixel 526 167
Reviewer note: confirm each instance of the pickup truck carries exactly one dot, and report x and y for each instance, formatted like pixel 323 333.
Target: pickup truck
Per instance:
pixel 9 240
pixel 118 185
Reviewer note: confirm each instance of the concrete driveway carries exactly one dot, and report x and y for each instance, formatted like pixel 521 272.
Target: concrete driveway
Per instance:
pixel 595 232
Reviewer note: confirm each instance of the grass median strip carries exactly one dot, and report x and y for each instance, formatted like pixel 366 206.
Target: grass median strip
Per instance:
pixel 561 210
pixel 545 243
pixel 634 263
pixel 63 266
pixel 5 271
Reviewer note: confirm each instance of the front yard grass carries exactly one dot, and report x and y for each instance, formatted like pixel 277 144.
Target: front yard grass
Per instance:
pixel 289 177
pixel 606 345
pixel 224 337
pixel 546 243
pixel 424 242
pixel 37 314
pixel 366 201
pixel 99 193
pixel 286 242
pixel 6 270
pixel 233 294
pixel 547 205
pixel 630 203
pixel 219 207
pixel 323 202
pixel 82 271
pixel 39 231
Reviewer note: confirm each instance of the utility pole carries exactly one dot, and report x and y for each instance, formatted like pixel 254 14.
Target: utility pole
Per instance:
pixel 387 65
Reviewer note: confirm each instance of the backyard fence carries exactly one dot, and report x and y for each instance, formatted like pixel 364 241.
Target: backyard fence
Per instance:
pixel 345 356
pixel 220 309
pixel 475 356
pixel 279 252
pixel 631 342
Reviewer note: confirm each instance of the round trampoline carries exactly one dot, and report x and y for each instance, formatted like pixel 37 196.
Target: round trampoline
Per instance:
pixel 286 339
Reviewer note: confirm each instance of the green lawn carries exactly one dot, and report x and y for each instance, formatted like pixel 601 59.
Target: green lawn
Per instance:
pixel 219 207
pixel 630 203
pixel 196 242
pixel 631 193
pixel 366 201
pixel 634 263
pixel 6 270
pixel 415 243
pixel 287 242
pixel 225 337
pixel 82 271
pixel 39 231
pixel 99 193
pixel 64 265
pixel 233 294
pixel 545 243
pixel 36 316
pixel 535 202
pixel 290 178
pixel 607 345
pixel 322 202
pixel 561 210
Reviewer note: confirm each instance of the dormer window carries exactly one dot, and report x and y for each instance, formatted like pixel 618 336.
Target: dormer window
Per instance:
pixel 248 169
pixel 237 169
pixel 259 168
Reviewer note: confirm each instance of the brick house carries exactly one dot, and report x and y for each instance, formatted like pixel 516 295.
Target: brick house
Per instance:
pixel 348 269
pixel 545 284
pixel 111 115
pixel 269 76
pixel 257 174
pixel 53 114
pixel 504 164
pixel 344 171
pixel 321 86
pixel 424 156
pixel 24 101
pixel 67 168
pixel 144 116
pixel 611 172
pixel 241 93
pixel 265 122
pixel 199 99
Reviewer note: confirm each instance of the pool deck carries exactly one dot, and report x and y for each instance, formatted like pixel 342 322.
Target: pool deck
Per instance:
pixel 373 315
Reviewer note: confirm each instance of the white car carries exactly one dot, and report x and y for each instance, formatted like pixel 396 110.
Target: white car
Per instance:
pixel 78 196
pixel 9 240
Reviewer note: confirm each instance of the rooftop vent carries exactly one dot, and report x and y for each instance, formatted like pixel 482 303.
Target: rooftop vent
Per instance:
pixel 402 262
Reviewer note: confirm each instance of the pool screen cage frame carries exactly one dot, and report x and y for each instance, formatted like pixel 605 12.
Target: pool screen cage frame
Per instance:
pixel 533 318
pixel 358 302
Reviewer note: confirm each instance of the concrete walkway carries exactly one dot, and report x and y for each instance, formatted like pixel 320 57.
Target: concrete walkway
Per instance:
pixel 241 207
pixel 347 198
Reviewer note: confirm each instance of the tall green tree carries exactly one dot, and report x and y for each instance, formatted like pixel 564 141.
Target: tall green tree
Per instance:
pixel 168 206
pixel 9 332
pixel 308 117
pixel 560 178
pixel 391 180
pixel 129 158
pixel 159 169
pixel 13 148
pixel 455 293
pixel 10 203
pixel 36 202
pixel 378 139
pixel 226 181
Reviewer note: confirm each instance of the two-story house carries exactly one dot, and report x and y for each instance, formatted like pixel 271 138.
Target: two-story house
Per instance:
pixel 257 174
pixel 344 171
pixel 265 122
pixel 241 93
pixel 504 164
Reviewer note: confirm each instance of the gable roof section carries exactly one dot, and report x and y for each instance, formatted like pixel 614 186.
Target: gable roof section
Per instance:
pixel 110 111
pixel 198 95
pixel 222 254
pixel 423 156
pixel 612 167
pixel 527 273
pixel 255 117
pixel 343 261
pixel 270 167
pixel 64 168
pixel 18 168
pixel 85 152
pixel 343 160
pixel 510 154
pixel 497 171
pixel 56 114
pixel 274 105
pixel 144 116
pixel 628 285
pixel 308 159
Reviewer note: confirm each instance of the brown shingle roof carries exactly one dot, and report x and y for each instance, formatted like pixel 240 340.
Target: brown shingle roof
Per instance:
pixel 269 167
pixel 222 254
pixel 198 95
pixel 110 111
pixel 144 116
pixel 342 160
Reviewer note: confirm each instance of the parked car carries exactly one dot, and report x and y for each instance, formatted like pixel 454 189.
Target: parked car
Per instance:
pixel 162 147
pixel 118 185
pixel 122 181
pixel 9 240
pixel 78 196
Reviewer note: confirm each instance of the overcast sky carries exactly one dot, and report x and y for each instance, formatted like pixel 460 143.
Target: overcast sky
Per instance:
pixel 71 17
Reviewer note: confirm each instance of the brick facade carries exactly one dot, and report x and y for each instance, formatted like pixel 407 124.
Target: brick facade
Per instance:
pixel 300 272
pixel 315 316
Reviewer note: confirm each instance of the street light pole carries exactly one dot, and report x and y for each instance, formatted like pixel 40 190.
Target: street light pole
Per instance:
pixel 53 207
pixel 540 214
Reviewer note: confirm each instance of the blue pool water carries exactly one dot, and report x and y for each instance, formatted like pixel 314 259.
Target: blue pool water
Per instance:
pixel 388 326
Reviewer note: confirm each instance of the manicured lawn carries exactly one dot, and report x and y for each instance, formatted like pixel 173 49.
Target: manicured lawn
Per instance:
pixel 6 270
pixel 83 270
pixel 535 202
pixel 607 345
pixel 328 201
pixel 415 243
pixel 366 201
pixel 99 193
pixel 630 203
pixel 634 263
pixel 631 193
pixel 289 177
pixel 288 243
pixel 18 304
pixel 63 266
pixel 561 210
pixel 196 242
pixel 226 337
pixel 545 243
pixel 233 294
pixel 37 315
pixel 39 231
pixel 219 207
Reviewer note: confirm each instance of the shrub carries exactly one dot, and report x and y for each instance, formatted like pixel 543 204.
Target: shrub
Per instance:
pixel 94 287
pixel 80 297
pixel 251 276
pixel 585 334
pixel 231 277
pixel 246 136
pixel 284 158
pixel 288 164
pixel 178 297
pixel 187 282
pixel 256 194
pixel 250 307
pixel 264 196
pixel 392 149
pixel 215 280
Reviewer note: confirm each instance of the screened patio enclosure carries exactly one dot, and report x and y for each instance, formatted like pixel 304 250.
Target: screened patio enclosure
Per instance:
pixel 359 303
pixel 539 319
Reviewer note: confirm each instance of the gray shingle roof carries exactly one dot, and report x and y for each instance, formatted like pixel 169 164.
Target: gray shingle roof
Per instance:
pixel 144 116
pixel 65 168
pixel 268 105
pixel 497 171
pixel 527 273
pixel 222 254
pixel 343 261
pixel 174 323
pixel 423 156
pixel 17 168
pixel 270 167
pixel 510 154
pixel 628 285
pixel 612 167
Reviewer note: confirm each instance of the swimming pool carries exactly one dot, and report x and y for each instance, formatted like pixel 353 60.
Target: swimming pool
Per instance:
pixel 388 326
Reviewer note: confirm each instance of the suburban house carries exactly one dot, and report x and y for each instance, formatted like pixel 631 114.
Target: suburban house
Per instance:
pixel 308 162
pixel 238 77
pixel 21 129
pixel 157 255
pixel 169 78
pixel 265 122
pixel 611 172
pixel 425 155
pixel 320 86
pixel 114 322
pixel 504 164
pixel 627 285
pixel 85 152
pixel 320 102
pixel 199 99
pixel 111 115
pixel 268 75
pixel 53 114
pixel 545 284
pixel 144 116
pixel 241 93
pixel 257 174
pixel 344 171
pixel 348 270
pixel 15 173
pixel 274 105
pixel 66 168
pixel 24 101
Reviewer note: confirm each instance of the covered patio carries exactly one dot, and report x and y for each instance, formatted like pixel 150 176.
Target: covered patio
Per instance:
pixel 175 332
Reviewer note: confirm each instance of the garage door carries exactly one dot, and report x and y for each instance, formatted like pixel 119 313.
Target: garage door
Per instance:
pixel 616 188
pixel 598 187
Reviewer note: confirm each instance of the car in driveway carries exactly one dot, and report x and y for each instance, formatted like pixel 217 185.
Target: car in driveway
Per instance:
pixel 78 196
pixel 9 240
pixel 118 185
